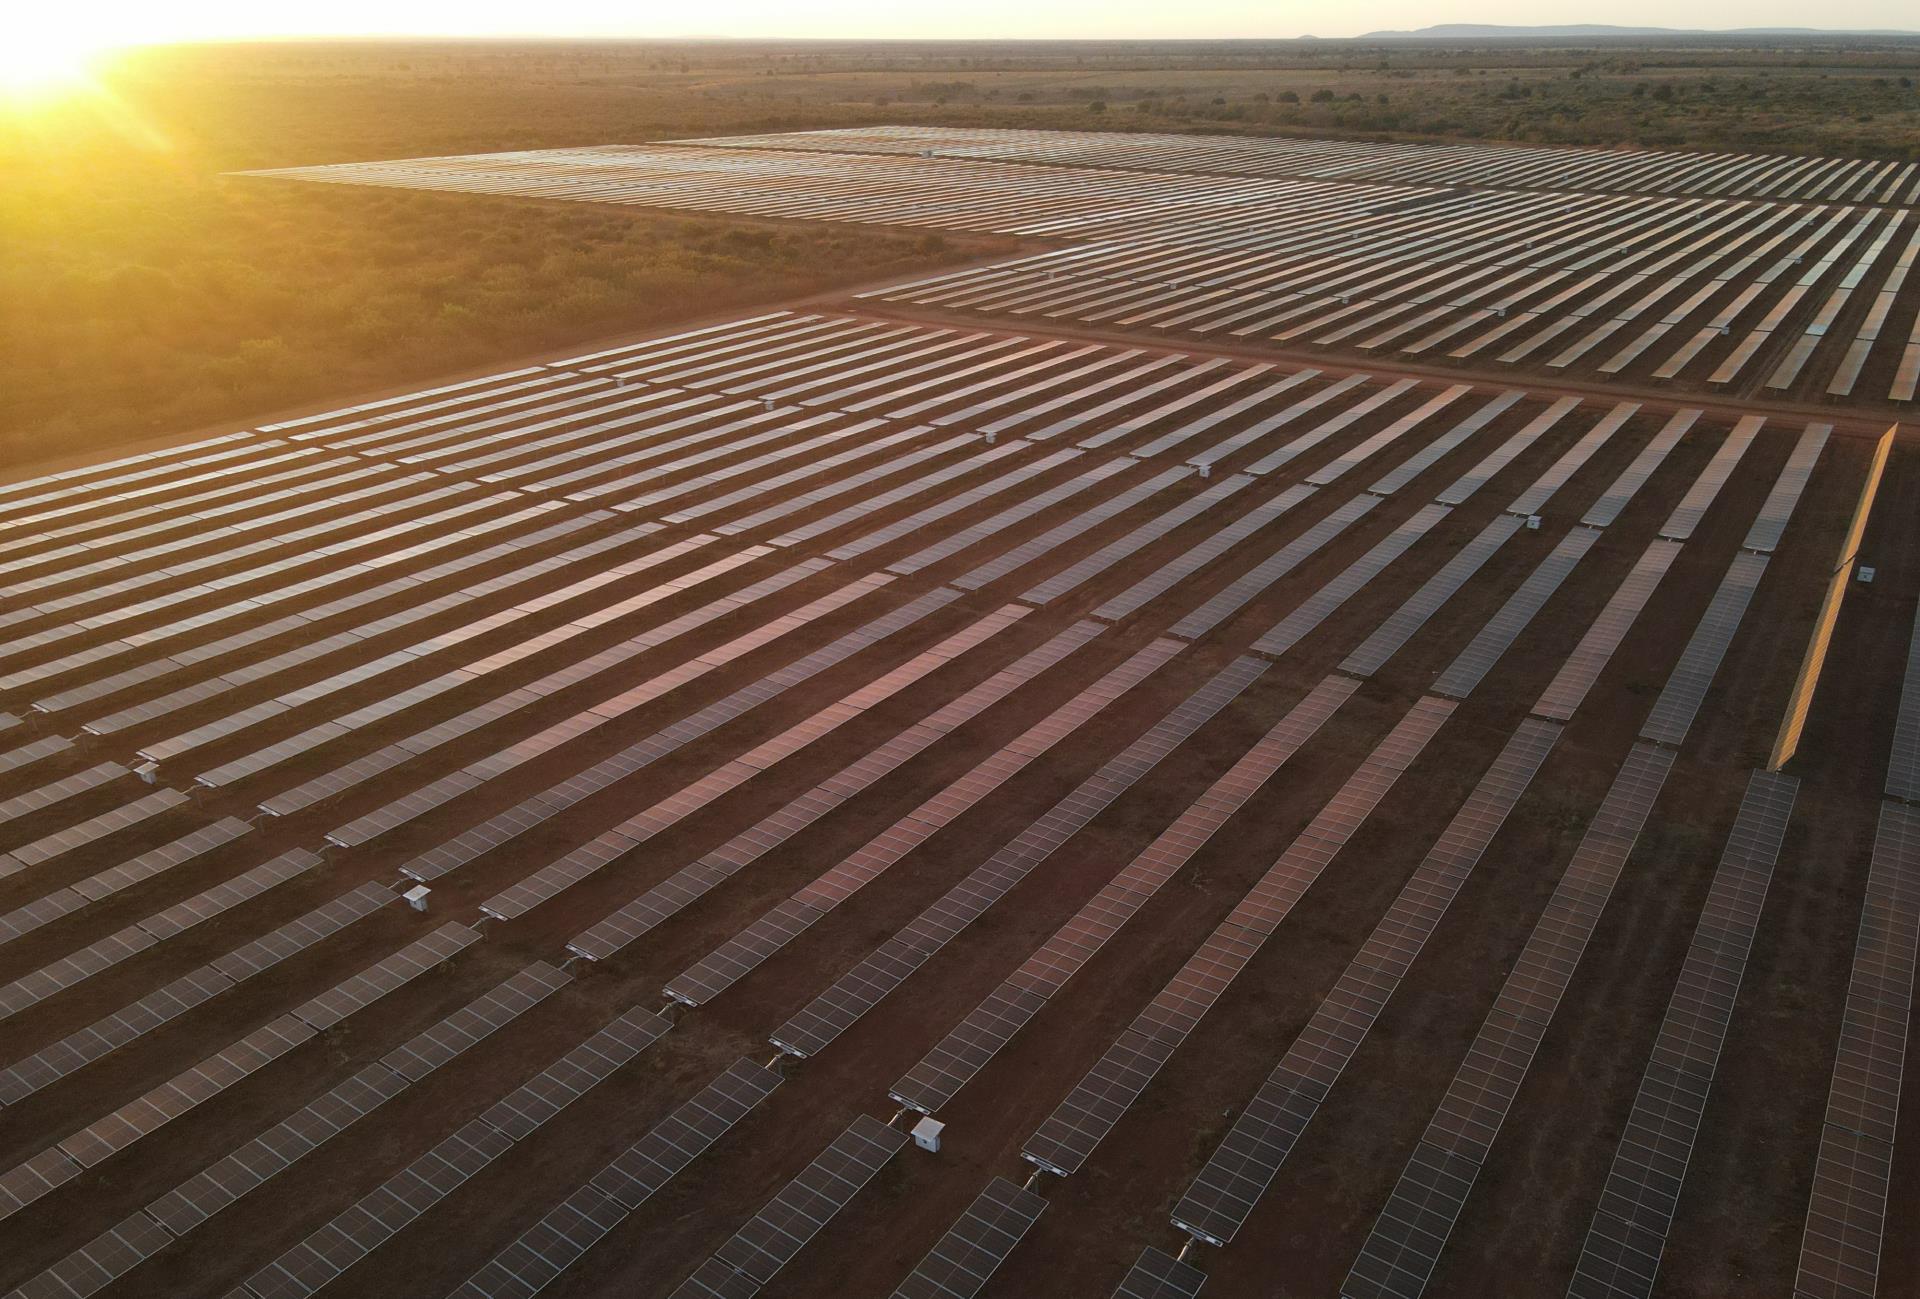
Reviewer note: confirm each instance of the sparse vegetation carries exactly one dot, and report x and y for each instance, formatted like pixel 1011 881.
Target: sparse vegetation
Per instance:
pixel 147 294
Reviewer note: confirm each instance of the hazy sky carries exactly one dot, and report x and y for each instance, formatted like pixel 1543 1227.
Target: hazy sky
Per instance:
pixel 147 20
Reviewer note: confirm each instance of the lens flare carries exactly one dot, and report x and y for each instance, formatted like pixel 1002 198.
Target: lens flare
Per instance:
pixel 41 60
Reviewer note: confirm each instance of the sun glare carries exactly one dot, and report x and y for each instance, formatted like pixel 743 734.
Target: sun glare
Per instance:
pixel 39 60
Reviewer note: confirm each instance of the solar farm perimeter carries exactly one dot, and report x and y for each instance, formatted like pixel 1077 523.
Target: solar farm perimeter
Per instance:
pixel 1268 713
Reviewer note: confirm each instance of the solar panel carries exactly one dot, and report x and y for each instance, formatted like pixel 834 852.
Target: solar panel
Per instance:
pixel 1607 509
pixel 222 1183
pixel 1535 497
pixel 130 1122
pixel 168 1003
pixel 1847 1215
pixel 1497 637
pixel 1256 580
pixel 1686 516
pixel 1404 1244
pixel 1082 521
pixel 429 1050
pixel 1200 554
pixel 1591 656
pixel 1216 1205
pixel 1771 523
pixel 1319 606
pixel 975 1246
pixel 114 879
pixel 1159 1275
pixel 779 1231
pixel 57 791
pixel 527 1107
pixel 1145 535
pixel 967 1048
pixel 914 523
pixel 507 824
pixel 674 893
pixel 995 524
pixel 753 945
pixel 922 484
pixel 25 1077
pixel 845 485
pixel 1623 1246
pixel 1099 1100
pixel 1903 769
pixel 362 769
pixel 1261 428
pixel 303 932
pixel 1686 688
pixel 884 969
pixel 1333 425
pixel 1405 622
pixel 566 1232
pixel 1392 433
pixel 434 1175
pixel 135 1239
pixel 1192 428
pixel 555 878
pixel 383 977
pixel 1430 454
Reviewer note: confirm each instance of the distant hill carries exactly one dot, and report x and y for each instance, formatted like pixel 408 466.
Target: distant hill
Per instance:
pixel 1492 31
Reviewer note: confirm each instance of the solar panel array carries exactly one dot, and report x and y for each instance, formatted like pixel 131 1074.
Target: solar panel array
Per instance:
pixel 223 1183
pixel 858 991
pixel 1702 267
pixel 570 1229
pixel 1622 1251
pixel 976 1245
pixel 1651 171
pixel 24 1077
pixel 382 1213
pixel 1067 1139
pixel 109 1136
pixel 684 644
pixel 1852 1175
pixel 549 882
pixel 1404 1244
pixel 666 899
pixel 1216 1205
pixel 969 1046
pixel 1847 1217
pixel 746 950
pixel 748 1261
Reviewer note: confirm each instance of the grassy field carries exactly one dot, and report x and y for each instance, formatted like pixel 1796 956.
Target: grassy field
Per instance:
pixel 146 293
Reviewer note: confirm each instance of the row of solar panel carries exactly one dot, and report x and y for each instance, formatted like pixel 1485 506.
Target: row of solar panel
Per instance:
pixel 1073 1131
pixel 665 899
pixel 1533 167
pixel 670 808
pixel 224 1182
pixel 970 1045
pixel 1063 1143
pixel 1246 1163
pixel 1400 285
pixel 108 1136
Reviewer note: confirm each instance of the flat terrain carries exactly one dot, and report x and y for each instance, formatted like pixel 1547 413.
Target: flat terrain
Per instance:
pixel 1762 277
pixel 159 296
pixel 714 661
pixel 1289 794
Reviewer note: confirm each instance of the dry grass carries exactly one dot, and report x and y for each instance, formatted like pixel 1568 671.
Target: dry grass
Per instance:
pixel 144 293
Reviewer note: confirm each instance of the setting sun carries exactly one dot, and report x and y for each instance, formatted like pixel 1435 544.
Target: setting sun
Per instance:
pixel 40 58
